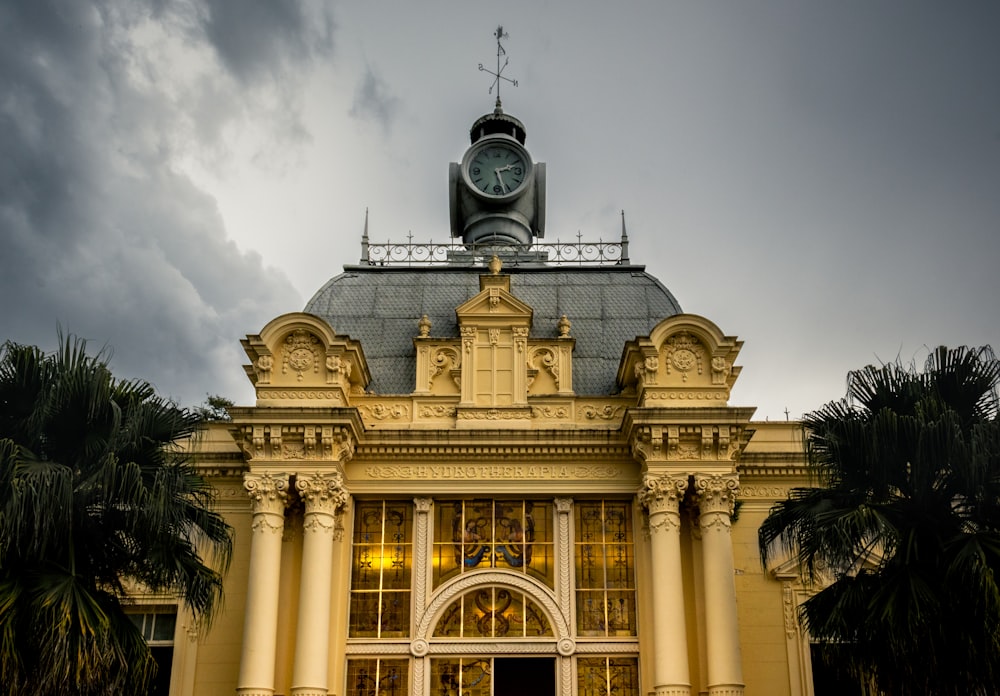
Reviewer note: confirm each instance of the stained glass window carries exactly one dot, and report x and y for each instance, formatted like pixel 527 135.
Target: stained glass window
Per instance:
pixel 381 569
pixel 377 677
pixel 492 612
pixel 607 676
pixel 605 568
pixel 474 534
pixel 461 676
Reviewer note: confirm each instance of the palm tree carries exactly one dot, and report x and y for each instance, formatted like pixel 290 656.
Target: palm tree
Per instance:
pixel 94 497
pixel 903 526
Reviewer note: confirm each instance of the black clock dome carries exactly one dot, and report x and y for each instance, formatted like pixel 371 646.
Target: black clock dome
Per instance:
pixel 497 123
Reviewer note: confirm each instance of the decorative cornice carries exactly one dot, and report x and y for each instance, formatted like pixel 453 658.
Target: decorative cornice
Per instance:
pixel 296 442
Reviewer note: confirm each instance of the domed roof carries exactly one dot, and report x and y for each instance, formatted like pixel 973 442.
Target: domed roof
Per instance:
pixel 380 307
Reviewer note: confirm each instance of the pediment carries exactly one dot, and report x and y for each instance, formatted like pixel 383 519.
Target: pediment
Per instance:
pixel 686 358
pixel 494 305
pixel 298 355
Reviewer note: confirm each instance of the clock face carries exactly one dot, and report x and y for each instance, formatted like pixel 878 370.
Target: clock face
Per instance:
pixel 497 169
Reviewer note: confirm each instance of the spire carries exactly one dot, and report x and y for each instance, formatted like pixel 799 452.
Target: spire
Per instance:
pixel 624 242
pixel 364 241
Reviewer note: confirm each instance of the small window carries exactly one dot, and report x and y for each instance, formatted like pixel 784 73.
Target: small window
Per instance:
pixel 157 626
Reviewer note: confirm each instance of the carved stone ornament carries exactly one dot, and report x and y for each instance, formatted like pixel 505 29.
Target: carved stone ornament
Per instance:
pixel 662 491
pixel 337 367
pixel 563 326
pixel 545 358
pixel 386 412
pixel 606 412
pixel 446 358
pixel 268 493
pixel 717 494
pixel 290 442
pixel 684 353
pixel 263 368
pixel 424 326
pixel 720 370
pixel 301 353
pixel 468 337
pixel 322 492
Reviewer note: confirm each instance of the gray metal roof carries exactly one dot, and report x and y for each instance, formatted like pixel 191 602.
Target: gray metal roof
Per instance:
pixel 380 307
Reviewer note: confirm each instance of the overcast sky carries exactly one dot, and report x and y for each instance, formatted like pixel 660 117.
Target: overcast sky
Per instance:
pixel 821 179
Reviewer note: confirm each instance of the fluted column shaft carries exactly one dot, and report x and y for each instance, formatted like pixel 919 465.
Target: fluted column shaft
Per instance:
pixel 268 495
pixel 716 498
pixel 324 496
pixel 661 496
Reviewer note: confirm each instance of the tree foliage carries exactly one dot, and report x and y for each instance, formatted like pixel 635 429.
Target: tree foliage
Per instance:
pixel 215 408
pixel 902 530
pixel 94 497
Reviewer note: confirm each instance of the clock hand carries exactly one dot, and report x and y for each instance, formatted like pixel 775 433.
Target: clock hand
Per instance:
pixel 500 178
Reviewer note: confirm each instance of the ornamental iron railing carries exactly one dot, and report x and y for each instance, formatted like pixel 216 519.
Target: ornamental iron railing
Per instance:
pixel 559 253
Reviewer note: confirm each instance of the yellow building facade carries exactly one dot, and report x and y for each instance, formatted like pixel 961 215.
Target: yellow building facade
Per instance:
pixel 497 467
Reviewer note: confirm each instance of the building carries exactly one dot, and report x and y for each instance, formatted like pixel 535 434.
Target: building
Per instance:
pixel 499 466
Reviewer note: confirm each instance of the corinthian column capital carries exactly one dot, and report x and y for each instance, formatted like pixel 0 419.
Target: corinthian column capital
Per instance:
pixel 717 493
pixel 662 492
pixel 323 493
pixel 268 492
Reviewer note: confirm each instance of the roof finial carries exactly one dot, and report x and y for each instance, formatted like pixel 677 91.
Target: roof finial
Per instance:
pixel 624 241
pixel 364 241
pixel 498 76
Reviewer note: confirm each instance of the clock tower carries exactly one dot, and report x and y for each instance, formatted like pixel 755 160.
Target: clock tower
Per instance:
pixel 497 194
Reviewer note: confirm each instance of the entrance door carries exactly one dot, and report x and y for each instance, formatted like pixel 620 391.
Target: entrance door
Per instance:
pixel 524 676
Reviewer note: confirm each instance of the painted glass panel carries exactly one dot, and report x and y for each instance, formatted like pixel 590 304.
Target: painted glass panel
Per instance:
pixel 605 568
pixel 492 612
pixel 381 571
pixel 377 677
pixel 607 676
pixel 474 534
pixel 463 676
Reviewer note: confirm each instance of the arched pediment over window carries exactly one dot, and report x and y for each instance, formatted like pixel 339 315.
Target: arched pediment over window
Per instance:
pixel 494 605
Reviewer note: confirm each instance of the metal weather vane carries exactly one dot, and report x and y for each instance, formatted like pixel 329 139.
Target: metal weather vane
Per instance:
pixel 498 75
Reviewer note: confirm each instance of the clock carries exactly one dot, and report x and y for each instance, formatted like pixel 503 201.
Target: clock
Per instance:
pixel 496 168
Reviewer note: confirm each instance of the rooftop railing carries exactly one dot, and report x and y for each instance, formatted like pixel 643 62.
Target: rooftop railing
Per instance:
pixel 557 253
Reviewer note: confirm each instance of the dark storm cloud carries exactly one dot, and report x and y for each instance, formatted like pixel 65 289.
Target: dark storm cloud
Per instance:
pixel 255 36
pixel 374 100
pixel 102 233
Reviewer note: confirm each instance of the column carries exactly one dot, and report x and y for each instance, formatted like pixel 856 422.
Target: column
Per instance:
pixel 268 493
pixel 324 495
pixel 661 495
pixel 716 497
